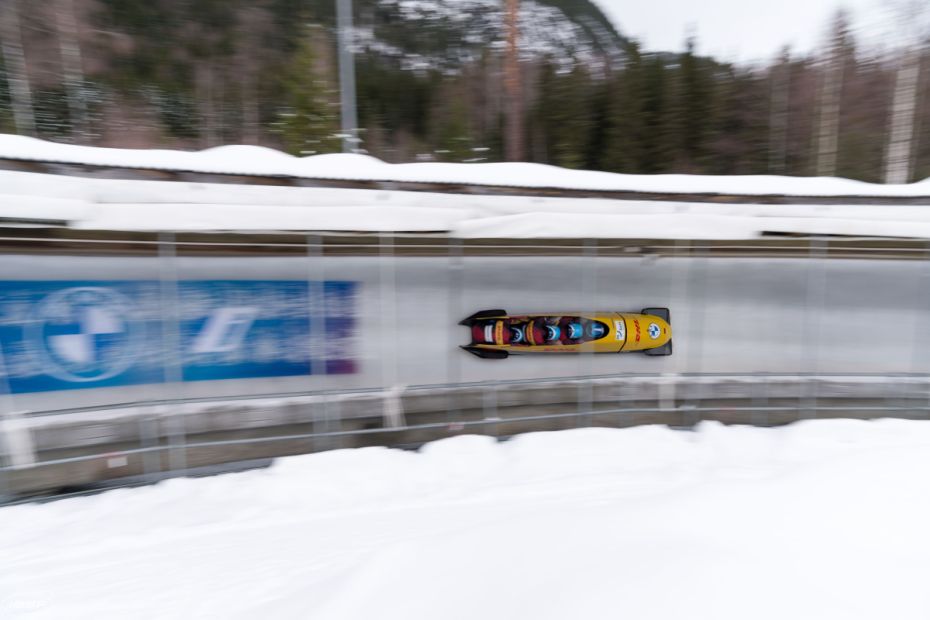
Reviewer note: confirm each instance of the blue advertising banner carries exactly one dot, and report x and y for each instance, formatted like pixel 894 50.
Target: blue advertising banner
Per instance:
pixel 63 335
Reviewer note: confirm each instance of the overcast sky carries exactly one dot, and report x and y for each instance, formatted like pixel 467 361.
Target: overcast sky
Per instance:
pixel 739 30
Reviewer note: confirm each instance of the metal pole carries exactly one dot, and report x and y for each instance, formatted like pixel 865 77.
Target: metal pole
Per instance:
pixel 317 345
pixel 678 290
pixel 918 326
pixel 455 283
pixel 814 301
pixel 171 347
pixel 7 421
pixel 697 311
pixel 350 139
pixel 393 411
pixel 148 438
pixel 585 394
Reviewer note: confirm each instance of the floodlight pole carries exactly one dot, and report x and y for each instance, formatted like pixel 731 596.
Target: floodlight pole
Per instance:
pixel 346 76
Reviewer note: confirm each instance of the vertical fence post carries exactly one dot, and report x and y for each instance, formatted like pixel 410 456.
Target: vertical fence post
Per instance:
pixel 7 430
pixel 585 395
pixel 491 415
pixel 678 291
pixel 760 399
pixel 924 319
pixel 760 388
pixel 455 282
pixel 696 287
pixel 814 300
pixel 148 440
pixel 908 380
pixel 171 349
pixel 392 407
pixel 6 488
pixel 321 417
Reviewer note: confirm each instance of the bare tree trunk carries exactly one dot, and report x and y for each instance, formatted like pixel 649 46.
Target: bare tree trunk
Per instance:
pixel 347 96
pixel 829 122
pixel 492 94
pixel 11 41
pixel 828 126
pixel 778 138
pixel 207 107
pixel 248 61
pixel 250 114
pixel 219 103
pixel 514 132
pixel 899 156
pixel 72 67
pixel 252 23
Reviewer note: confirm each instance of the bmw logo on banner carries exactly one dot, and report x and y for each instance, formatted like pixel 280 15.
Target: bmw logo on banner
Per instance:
pixel 86 334
pixel 67 335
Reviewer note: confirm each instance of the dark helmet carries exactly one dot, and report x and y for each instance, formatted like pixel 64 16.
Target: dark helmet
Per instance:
pixel 596 330
pixel 516 334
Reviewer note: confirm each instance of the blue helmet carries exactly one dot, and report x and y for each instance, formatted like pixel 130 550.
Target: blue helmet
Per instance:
pixel 553 332
pixel 516 334
pixel 596 330
pixel 575 331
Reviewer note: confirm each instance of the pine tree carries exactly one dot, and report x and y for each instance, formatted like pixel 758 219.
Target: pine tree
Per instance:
pixel 308 120
pixel 738 128
pixel 656 150
pixel 779 112
pixel 453 134
pixel 693 108
pixel 6 107
pixel 624 122
pixel 565 110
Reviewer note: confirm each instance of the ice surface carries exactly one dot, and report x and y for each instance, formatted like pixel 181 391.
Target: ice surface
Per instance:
pixel 819 520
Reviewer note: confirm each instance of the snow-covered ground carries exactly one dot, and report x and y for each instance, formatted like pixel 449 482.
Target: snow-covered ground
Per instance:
pixel 239 159
pixel 818 520
pixel 111 204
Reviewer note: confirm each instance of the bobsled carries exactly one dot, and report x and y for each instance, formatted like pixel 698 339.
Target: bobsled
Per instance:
pixel 497 335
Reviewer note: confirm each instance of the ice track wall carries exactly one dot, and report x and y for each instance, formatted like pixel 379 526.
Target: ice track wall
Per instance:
pixel 729 315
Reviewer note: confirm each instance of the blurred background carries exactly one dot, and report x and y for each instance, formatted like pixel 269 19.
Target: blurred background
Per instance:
pixel 180 299
pixel 721 88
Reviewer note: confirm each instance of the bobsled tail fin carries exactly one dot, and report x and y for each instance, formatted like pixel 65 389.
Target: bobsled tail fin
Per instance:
pixel 665 349
pixel 662 313
pixel 483 314
pixel 488 354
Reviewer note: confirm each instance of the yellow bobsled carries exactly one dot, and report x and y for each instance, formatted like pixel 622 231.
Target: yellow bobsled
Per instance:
pixel 497 335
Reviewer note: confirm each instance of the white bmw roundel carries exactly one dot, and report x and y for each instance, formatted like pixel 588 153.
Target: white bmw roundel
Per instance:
pixel 85 333
pixel 654 331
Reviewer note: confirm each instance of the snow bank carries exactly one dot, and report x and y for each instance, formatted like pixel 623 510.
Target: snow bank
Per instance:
pixel 108 204
pixel 817 520
pixel 267 162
